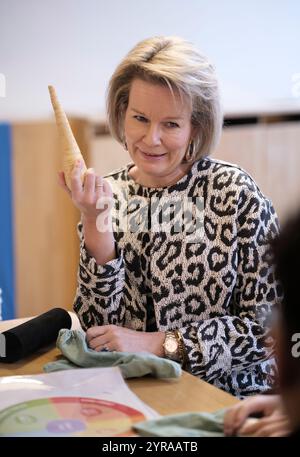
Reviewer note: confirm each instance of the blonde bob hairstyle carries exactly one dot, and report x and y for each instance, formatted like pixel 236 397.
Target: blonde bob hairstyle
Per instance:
pixel 177 64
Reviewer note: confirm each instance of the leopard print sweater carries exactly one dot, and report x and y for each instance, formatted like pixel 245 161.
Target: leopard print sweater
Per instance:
pixel 217 289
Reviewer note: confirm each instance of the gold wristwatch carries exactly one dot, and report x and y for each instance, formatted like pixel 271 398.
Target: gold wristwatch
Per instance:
pixel 173 346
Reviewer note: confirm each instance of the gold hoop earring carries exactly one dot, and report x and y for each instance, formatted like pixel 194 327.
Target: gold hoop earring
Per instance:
pixel 190 152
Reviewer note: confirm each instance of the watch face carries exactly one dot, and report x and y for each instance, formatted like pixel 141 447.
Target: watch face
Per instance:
pixel 171 345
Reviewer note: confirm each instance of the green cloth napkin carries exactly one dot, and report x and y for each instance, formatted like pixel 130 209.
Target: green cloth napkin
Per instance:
pixel 72 344
pixel 185 424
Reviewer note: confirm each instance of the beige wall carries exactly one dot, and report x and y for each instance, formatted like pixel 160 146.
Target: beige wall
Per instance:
pixel 106 154
pixel 46 244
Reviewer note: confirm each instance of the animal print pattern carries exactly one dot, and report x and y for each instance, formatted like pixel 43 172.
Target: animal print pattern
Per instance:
pixel 217 289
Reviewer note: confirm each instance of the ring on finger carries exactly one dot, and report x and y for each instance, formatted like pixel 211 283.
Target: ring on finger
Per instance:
pixel 99 184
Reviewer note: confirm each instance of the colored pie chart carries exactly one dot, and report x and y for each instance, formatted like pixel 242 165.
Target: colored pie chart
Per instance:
pixel 68 416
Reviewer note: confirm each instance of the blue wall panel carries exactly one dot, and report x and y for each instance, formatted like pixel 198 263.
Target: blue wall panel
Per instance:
pixel 7 282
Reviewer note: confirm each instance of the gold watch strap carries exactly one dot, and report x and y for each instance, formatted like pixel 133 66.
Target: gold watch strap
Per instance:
pixel 181 348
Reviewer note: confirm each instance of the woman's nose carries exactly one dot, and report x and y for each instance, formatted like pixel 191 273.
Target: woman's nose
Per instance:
pixel 152 135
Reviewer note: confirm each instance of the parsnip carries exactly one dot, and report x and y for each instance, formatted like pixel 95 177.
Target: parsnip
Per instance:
pixel 71 151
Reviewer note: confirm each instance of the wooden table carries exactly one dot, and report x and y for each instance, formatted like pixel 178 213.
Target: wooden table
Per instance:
pixel 166 396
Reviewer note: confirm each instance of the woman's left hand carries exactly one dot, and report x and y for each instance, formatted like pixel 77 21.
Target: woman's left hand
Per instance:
pixel 121 339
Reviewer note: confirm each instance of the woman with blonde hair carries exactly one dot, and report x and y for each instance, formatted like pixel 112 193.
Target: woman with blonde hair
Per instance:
pixel 177 263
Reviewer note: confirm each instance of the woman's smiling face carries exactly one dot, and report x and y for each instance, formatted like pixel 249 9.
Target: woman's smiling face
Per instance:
pixel 157 132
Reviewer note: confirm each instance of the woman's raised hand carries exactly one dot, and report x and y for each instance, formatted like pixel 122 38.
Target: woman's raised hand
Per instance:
pixel 91 197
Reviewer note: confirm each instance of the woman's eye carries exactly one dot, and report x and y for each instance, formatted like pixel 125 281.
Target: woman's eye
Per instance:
pixel 140 118
pixel 172 125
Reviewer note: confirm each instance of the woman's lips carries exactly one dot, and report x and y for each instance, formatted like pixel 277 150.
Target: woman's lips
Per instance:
pixel 152 156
